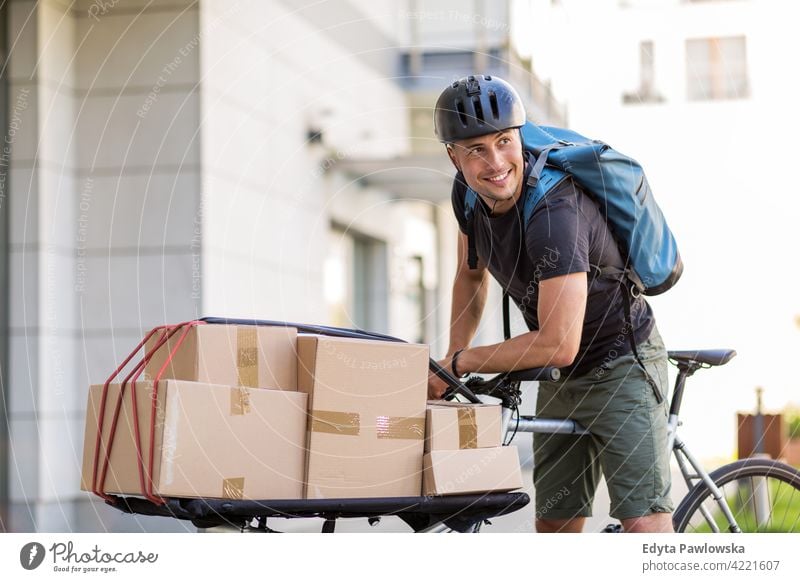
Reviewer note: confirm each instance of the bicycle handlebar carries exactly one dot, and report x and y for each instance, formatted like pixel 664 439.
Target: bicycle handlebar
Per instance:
pixel 476 385
pixel 535 374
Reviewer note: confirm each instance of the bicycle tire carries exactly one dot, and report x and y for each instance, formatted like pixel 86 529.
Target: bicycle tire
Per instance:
pixel 687 514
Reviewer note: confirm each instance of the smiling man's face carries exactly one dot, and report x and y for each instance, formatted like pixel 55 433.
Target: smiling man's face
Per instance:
pixel 492 165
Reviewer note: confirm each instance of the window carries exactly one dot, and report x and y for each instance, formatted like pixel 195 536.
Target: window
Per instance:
pixel 716 68
pixel 413 298
pixel 355 280
pixel 445 63
pixel 647 77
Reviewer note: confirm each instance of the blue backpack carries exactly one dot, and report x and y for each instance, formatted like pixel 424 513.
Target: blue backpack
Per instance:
pixel 618 184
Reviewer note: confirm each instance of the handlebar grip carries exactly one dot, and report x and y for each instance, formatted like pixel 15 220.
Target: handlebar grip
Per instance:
pixel 548 374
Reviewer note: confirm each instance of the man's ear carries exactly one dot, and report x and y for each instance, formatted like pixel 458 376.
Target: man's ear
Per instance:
pixel 452 157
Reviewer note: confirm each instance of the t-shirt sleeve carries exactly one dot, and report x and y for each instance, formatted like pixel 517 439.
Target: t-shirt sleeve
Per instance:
pixel 457 197
pixel 557 237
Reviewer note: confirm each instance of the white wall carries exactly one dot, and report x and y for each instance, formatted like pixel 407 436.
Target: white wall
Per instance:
pixel 268 76
pixel 138 161
pixel 160 172
pixel 718 169
pixel 43 407
pixel 103 196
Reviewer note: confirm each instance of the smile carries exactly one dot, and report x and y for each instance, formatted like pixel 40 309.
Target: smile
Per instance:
pixel 499 178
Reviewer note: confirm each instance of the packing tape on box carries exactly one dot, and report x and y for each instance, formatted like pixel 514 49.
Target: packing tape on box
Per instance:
pixel 240 401
pixel 400 427
pixel 334 422
pixel 247 355
pixel 467 428
pixel 349 423
pixel 233 488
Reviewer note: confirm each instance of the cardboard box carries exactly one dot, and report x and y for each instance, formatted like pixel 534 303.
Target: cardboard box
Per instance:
pixel 232 355
pixel 458 425
pixel 366 416
pixel 471 471
pixel 210 441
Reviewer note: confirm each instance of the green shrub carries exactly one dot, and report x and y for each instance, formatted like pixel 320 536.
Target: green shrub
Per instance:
pixel 792 423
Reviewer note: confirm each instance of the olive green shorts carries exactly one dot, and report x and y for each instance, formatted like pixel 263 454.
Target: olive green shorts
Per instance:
pixel 627 444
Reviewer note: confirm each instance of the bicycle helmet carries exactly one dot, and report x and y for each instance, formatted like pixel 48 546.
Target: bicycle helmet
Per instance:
pixel 477 105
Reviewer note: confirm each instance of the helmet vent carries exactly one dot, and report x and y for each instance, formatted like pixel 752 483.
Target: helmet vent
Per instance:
pixel 462 114
pixel 476 103
pixel 493 104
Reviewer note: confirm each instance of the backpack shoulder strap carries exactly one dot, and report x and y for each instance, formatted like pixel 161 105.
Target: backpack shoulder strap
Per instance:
pixel 470 202
pixel 541 180
pixel 538 187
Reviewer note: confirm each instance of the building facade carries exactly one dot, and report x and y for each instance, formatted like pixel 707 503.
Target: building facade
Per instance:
pixel 691 89
pixel 171 160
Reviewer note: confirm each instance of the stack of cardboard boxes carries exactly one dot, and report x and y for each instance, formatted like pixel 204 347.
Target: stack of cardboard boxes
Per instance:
pixel 256 412
pixel 463 452
pixel 229 421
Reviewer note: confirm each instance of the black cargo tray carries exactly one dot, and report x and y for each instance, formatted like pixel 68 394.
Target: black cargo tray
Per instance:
pixel 458 512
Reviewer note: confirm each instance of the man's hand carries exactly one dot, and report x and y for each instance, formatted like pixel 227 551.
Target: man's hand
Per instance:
pixel 437 386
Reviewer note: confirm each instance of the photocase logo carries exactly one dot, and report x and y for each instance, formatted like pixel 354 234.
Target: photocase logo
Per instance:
pixel 31 555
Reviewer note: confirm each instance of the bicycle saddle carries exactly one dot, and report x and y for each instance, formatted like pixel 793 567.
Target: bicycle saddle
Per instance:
pixel 709 357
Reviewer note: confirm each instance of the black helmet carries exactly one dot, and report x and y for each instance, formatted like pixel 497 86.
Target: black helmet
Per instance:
pixel 477 105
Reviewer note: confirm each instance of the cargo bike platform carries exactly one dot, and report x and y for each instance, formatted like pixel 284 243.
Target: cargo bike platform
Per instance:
pixel 459 513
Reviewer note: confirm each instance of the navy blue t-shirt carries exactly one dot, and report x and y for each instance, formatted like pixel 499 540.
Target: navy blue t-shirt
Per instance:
pixel 566 234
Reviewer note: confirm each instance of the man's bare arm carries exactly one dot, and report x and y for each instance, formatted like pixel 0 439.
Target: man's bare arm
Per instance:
pixel 561 308
pixel 470 288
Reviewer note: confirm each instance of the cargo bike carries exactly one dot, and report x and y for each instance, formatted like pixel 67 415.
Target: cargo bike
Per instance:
pixel 458 513
pixel 750 495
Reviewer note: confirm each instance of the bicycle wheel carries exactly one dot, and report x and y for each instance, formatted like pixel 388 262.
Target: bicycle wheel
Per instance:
pixel 763 496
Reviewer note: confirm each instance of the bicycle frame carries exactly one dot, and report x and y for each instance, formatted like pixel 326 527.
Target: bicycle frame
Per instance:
pixel 690 468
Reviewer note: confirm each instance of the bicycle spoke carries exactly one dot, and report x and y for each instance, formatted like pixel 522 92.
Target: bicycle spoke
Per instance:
pixel 741 505
pixel 797 518
pixel 785 515
pixel 761 495
pixel 752 505
pixel 769 501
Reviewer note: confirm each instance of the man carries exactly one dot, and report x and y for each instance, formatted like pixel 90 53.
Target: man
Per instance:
pixel 576 319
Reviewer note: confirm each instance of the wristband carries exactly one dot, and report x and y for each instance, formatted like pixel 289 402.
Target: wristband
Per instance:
pixel 453 363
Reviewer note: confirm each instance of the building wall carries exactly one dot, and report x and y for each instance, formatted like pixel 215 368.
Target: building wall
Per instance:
pixel 734 219
pixel 179 159
pixel 162 170
pixel 5 159
pixel 44 413
pixel 104 186
pixel 139 170
pixel 269 78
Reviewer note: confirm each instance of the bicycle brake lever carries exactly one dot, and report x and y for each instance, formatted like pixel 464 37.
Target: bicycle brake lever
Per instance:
pixel 454 385
pixel 451 393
